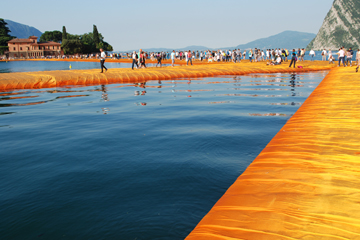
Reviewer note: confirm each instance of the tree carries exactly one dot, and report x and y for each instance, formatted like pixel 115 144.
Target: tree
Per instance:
pixel 55 36
pixel 107 47
pixel 64 34
pixel 85 43
pixel 72 46
pixel 4 36
pixel 96 36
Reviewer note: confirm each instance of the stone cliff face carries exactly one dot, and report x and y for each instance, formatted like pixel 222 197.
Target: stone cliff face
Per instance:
pixel 341 27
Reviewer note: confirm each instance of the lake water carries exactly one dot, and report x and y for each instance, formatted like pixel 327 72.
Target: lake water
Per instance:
pixel 134 161
pixel 33 66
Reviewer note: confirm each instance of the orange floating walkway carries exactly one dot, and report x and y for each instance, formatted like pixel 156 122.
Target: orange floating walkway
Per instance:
pixel 50 79
pixel 306 183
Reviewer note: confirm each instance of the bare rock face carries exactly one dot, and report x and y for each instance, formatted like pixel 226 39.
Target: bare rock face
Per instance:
pixel 341 27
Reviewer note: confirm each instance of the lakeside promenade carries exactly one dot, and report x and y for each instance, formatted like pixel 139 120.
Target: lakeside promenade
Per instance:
pixel 305 183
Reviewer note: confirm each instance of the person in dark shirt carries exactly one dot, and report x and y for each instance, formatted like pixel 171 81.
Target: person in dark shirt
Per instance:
pixel 158 57
pixel 293 58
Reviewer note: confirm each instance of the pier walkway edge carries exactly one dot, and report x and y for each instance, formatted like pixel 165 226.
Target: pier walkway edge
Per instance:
pixel 305 183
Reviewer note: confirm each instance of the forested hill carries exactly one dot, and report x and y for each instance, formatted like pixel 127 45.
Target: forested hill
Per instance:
pixel 21 30
pixel 286 39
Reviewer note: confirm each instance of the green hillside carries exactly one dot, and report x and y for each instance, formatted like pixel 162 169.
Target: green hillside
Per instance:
pixel 21 30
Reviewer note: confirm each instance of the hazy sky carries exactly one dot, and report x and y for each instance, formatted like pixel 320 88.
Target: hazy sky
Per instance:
pixel 169 23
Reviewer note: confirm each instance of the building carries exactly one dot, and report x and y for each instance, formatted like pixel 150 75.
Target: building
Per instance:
pixel 31 48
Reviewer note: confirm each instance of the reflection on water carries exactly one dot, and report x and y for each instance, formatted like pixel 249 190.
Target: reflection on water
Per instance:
pixel 288 85
pixel 134 161
pixel 35 103
pixel 270 114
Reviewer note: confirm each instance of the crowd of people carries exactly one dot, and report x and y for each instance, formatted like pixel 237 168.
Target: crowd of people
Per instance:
pixel 345 56
pixel 272 56
pixel 275 56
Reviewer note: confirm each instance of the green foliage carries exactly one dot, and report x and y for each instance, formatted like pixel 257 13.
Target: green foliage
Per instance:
pixel 107 47
pixel 71 46
pixel 85 43
pixel 96 36
pixel 3 49
pixel 4 36
pixel 89 45
pixel 55 36
pixel 64 34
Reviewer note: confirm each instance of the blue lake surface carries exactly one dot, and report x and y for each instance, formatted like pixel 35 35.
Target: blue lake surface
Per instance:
pixel 134 161
pixel 33 66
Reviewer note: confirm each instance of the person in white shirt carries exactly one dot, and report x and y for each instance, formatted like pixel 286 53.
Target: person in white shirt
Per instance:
pixel 341 54
pixel 329 54
pixel 237 55
pixel 102 60
pixel 262 55
pixel 312 54
pixel 302 54
pixel 134 62
pixel 173 58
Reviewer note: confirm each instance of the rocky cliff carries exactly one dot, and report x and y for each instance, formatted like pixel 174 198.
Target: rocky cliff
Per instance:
pixel 340 27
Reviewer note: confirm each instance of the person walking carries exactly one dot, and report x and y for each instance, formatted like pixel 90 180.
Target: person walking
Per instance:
pixel 341 54
pixel 142 59
pixel 189 58
pixel 250 55
pixel 135 60
pixel 349 55
pixel 102 60
pixel 172 58
pixel 293 58
pixel 158 58
pixel 312 54
pixel 323 54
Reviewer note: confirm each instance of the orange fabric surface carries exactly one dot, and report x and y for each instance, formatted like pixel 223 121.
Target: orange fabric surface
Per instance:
pixel 49 79
pixel 306 183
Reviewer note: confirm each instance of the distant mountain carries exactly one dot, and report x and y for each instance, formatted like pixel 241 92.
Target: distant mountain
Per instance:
pixel 287 39
pixel 21 30
pixel 191 48
pixel 340 27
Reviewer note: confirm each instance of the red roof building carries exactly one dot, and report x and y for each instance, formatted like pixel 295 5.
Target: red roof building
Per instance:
pixel 31 48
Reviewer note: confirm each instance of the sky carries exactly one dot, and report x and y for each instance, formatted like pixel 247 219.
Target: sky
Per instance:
pixel 128 25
